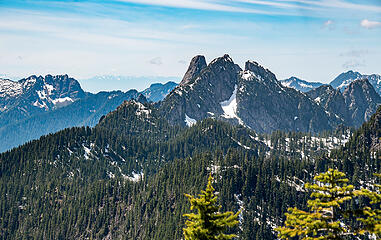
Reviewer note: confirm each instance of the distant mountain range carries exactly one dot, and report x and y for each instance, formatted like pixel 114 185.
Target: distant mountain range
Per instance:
pixel 97 83
pixel 36 106
pixel 340 82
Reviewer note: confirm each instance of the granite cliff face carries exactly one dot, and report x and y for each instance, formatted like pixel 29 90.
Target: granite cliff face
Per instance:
pixel 362 101
pixel 253 97
pixel 197 64
pixel 332 100
pixel 266 105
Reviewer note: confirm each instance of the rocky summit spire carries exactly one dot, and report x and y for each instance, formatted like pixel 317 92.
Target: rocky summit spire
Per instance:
pixel 195 67
pixel 258 70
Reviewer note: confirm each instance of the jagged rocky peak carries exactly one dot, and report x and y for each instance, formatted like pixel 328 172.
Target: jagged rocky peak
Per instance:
pixel 196 65
pixel 224 60
pixel 259 71
pixel 200 97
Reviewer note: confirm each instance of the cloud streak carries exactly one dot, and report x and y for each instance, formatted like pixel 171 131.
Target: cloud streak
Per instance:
pixel 201 5
pixel 337 4
pixel 253 7
pixel 370 24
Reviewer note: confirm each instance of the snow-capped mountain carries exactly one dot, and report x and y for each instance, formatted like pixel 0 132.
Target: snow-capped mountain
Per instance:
pixel 36 94
pixel 299 84
pixel 344 79
pixel 251 97
pixel 9 88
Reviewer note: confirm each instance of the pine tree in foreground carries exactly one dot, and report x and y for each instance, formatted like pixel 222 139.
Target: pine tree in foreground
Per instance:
pixel 371 215
pixel 208 223
pixel 324 220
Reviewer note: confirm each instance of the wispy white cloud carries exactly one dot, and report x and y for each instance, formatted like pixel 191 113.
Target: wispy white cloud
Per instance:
pixel 278 4
pixel 156 61
pixel 370 24
pixel 354 64
pixel 328 24
pixel 354 53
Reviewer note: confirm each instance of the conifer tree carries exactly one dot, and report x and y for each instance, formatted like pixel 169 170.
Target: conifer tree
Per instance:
pixel 324 220
pixel 372 214
pixel 208 223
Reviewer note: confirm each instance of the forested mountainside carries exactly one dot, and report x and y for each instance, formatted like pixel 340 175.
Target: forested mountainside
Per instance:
pixel 126 177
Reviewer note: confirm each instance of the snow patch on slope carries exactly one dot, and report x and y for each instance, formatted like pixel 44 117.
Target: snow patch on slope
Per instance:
pixel 142 110
pixel 230 107
pixel 189 121
pixel 62 100
pixel 136 177
pixel 9 88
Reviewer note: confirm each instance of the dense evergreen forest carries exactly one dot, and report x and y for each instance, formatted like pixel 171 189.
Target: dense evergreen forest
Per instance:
pixel 126 177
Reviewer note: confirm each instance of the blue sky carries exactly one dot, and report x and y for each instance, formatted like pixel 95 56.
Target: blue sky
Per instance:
pixel 311 39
